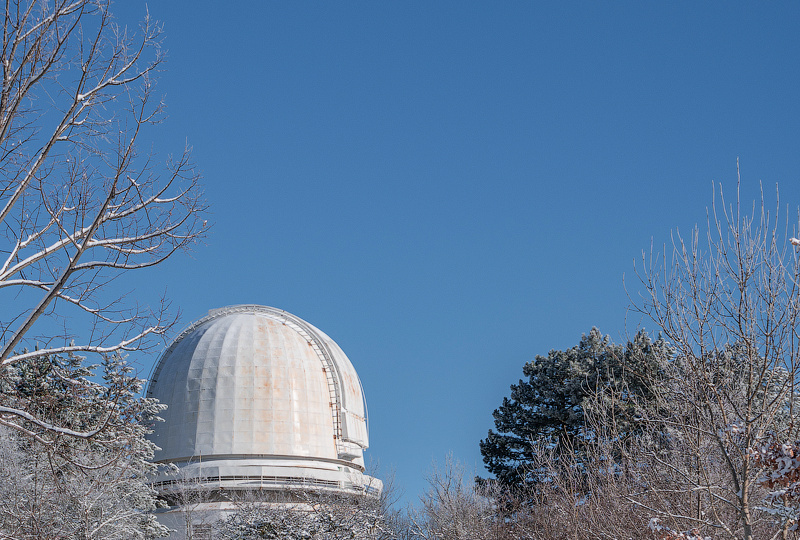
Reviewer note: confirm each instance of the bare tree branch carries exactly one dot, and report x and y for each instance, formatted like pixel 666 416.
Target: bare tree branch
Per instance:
pixel 79 204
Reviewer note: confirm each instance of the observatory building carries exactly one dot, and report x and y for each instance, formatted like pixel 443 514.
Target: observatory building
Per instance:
pixel 260 400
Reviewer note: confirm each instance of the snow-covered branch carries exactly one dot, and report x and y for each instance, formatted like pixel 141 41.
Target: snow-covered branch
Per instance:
pixel 80 204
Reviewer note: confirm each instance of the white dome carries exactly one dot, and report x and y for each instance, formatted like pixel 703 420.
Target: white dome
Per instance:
pixel 253 393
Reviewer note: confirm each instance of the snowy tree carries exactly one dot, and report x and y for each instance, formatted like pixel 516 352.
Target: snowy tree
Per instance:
pixel 57 486
pixel 454 508
pixel 551 403
pixel 80 205
pixel 780 464
pixel 309 515
pixel 728 302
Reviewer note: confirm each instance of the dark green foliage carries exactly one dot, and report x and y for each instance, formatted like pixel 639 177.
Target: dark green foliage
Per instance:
pixel 551 405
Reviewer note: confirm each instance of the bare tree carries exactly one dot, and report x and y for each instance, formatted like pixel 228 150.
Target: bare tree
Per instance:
pixel 584 496
pixel 728 303
pixel 455 508
pixel 189 495
pixel 80 205
pixel 713 456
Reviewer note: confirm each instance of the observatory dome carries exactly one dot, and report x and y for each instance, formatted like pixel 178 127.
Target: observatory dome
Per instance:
pixel 259 398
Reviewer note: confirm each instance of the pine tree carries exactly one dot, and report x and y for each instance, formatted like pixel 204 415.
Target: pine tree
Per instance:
pixel 550 405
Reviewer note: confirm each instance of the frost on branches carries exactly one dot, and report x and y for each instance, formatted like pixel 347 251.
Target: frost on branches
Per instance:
pixel 57 486
pixel 314 516
pixel 665 533
pixel 781 475
pixel 79 203
pixel 727 300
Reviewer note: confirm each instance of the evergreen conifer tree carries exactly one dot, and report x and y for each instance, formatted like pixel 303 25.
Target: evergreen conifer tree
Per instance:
pixel 550 405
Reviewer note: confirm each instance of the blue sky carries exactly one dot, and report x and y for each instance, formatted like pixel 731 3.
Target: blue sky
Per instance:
pixel 450 188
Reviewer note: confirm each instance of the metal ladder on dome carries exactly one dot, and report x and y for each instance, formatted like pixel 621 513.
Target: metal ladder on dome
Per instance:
pixel 332 392
pixel 328 368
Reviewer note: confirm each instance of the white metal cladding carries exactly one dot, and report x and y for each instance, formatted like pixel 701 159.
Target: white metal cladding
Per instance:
pixel 257 381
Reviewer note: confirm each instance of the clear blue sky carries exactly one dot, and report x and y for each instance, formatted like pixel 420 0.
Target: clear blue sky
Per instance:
pixel 450 188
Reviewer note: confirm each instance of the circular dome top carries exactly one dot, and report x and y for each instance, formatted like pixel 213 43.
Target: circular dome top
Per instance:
pixel 257 383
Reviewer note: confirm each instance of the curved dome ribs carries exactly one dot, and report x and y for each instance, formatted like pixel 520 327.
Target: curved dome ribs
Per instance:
pixel 344 436
pixel 328 366
pixel 258 399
